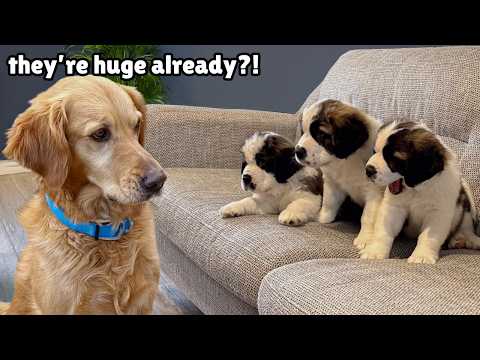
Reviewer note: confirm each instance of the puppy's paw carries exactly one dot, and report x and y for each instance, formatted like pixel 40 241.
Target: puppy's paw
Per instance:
pixel 457 242
pixel 464 241
pixel 231 210
pixel 473 242
pixel 361 240
pixel 423 256
pixel 374 251
pixel 292 218
pixel 326 216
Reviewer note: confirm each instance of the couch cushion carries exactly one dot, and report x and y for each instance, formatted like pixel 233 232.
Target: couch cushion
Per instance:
pixel 190 136
pixel 437 86
pixel 239 252
pixel 352 286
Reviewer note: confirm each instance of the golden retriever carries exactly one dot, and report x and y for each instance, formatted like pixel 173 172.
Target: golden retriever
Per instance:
pixel 83 137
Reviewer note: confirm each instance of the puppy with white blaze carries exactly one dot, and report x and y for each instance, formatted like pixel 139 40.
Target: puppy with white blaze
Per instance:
pixel 338 139
pixel 279 184
pixel 426 196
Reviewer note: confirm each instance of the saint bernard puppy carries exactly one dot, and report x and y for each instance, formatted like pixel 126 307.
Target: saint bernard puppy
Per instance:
pixel 426 196
pixel 280 185
pixel 338 140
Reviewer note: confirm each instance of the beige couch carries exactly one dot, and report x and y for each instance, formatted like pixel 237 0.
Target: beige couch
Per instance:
pixel 253 264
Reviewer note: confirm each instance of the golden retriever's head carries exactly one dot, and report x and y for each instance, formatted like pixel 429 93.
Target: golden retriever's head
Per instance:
pixel 87 130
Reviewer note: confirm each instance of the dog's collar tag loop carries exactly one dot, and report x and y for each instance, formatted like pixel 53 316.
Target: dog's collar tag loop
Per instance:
pixel 92 229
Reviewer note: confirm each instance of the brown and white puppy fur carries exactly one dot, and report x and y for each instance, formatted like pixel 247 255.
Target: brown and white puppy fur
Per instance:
pixel 83 137
pixel 426 195
pixel 280 185
pixel 338 139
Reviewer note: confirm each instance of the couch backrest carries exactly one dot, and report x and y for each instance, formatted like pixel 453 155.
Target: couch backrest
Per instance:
pixel 439 87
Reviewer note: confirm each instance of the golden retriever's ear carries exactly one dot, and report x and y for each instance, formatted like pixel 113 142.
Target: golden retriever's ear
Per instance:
pixel 139 103
pixel 37 141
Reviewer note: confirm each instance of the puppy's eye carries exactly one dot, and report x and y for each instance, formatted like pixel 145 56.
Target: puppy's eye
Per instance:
pixel 101 135
pixel 325 137
pixel 137 126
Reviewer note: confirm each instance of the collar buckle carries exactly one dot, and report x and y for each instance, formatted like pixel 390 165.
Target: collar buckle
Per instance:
pixel 97 231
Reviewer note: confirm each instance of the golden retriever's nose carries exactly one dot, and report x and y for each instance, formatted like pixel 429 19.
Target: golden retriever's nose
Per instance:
pixel 153 180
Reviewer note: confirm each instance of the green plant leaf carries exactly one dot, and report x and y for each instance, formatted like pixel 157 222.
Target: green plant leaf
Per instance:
pixel 151 86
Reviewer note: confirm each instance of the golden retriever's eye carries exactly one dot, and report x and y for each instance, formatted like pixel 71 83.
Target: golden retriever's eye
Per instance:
pixel 137 126
pixel 101 135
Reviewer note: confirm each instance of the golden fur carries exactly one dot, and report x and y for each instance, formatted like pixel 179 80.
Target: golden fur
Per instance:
pixel 61 271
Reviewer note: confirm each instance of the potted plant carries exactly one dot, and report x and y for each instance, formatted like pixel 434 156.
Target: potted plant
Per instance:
pixel 151 86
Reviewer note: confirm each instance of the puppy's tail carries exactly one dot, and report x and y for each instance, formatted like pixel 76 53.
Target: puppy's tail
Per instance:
pixel 3 308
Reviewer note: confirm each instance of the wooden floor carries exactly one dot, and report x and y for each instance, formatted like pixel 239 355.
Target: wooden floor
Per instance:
pixel 16 187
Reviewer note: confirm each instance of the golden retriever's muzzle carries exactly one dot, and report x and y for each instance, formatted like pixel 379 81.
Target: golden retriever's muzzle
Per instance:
pixel 141 182
pixel 139 175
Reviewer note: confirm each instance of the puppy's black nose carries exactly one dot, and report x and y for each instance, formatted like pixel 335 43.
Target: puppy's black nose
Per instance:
pixel 247 179
pixel 153 180
pixel 370 171
pixel 300 152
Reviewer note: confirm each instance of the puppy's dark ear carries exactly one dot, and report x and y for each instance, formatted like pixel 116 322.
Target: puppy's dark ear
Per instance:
pixel 349 137
pixel 276 143
pixel 271 141
pixel 424 164
pixel 139 103
pixel 286 165
pixel 38 142
pixel 272 145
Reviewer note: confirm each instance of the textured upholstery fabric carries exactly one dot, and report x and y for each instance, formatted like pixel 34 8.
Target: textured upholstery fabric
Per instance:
pixel 183 136
pixel 439 87
pixel 207 294
pixel 239 252
pixel 386 287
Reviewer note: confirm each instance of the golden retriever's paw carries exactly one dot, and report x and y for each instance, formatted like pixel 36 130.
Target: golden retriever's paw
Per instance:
pixel 231 210
pixel 326 216
pixel 422 256
pixel 361 240
pixel 292 218
pixel 374 252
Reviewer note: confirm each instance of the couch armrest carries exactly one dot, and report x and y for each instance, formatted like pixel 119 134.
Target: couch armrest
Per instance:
pixel 184 136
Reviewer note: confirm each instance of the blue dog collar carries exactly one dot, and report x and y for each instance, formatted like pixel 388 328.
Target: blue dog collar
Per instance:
pixel 94 230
